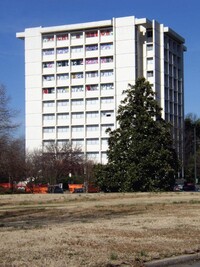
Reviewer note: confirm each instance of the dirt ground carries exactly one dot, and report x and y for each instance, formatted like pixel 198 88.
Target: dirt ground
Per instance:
pixel 97 230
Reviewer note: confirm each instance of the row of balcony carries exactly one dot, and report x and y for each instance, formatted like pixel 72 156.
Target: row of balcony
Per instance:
pixel 82 121
pixel 78 81
pixel 81 54
pixel 77 41
pixel 88 107
pixel 67 69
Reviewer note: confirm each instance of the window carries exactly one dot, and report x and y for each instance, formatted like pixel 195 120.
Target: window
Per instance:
pixel 76 35
pixel 150 61
pixel 149 74
pixel 76 49
pixel 179 110
pixel 166 55
pixel 91 47
pixel 104 155
pixel 104 141
pixel 61 90
pixel 77 115
pixel 77 142
pixel 149 35
pixel 48 52
pixel 92 155
pixel 108 113
pixel 107 86
pixel 91 101
pixel 178 48
pixel 62 103
pixel 166 93
pixel 48 78
pixel 49 38
pixel 48 90
pixel 106 46
pixel 93 87
pixel 48 130
pixel 166 106
pixel 77 75
pixel 63 116
pixel 170 58
pixel 170 70
pixel 175 72
pixel 63 63
pixel 92 114
pixel 106 73
pixel 92 141
pixel 106 59
pixel 48 143
pixel 77 62
pixel 62 129
pixel 91 34
pixel 149 47
pixel 48 104
pixel 107 100
pixel 106 32
pixel 76 89
pixel 77 102
pixel 63 76
pixel 91 61
pixel 92 128
pixel 62 142
pixel 174 46
pixel 92 74
pixel 64 50
pixel 77 128
pixel 47 117
pixel 62 37
pixel 48 65
pixel 104 127
pixel 171 95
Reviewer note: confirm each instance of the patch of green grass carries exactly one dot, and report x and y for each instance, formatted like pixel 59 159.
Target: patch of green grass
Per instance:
pixel 179 202
pixel 113 256
pixel 141 255
pixel 24 203
pixel 99 206
pixel 194 201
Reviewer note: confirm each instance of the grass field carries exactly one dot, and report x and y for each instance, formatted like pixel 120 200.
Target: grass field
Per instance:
pixel 97 230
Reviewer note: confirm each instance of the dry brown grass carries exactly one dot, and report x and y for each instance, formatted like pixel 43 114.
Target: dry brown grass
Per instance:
pixel 97 230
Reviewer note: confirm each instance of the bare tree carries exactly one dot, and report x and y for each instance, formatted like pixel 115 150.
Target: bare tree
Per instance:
pixel 55 162
pixel 12 160
pixel 7 114
pixel 11 150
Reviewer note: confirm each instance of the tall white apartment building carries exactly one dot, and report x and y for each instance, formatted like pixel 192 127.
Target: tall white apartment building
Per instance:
pixel 75 75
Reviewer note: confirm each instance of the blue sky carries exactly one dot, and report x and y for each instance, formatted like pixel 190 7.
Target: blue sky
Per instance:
pixel 16 15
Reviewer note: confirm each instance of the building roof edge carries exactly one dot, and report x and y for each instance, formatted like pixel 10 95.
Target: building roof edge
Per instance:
pixel 174 34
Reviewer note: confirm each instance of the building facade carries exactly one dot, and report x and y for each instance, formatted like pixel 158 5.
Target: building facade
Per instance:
pixel 75 75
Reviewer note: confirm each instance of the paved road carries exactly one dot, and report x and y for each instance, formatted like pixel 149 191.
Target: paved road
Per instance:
pixel 182 261
pixel 189 264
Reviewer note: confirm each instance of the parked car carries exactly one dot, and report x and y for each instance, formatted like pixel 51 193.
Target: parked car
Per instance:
pixel 178 187
pixel 55 189
pixel 189 187
pixel 78 190
pixel 58 190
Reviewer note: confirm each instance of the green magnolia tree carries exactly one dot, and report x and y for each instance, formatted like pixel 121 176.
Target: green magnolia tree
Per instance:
pixel 192 149
pixel 141 156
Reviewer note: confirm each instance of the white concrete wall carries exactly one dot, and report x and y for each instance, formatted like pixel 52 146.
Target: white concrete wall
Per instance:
pixel 33 88
pixel 125 54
